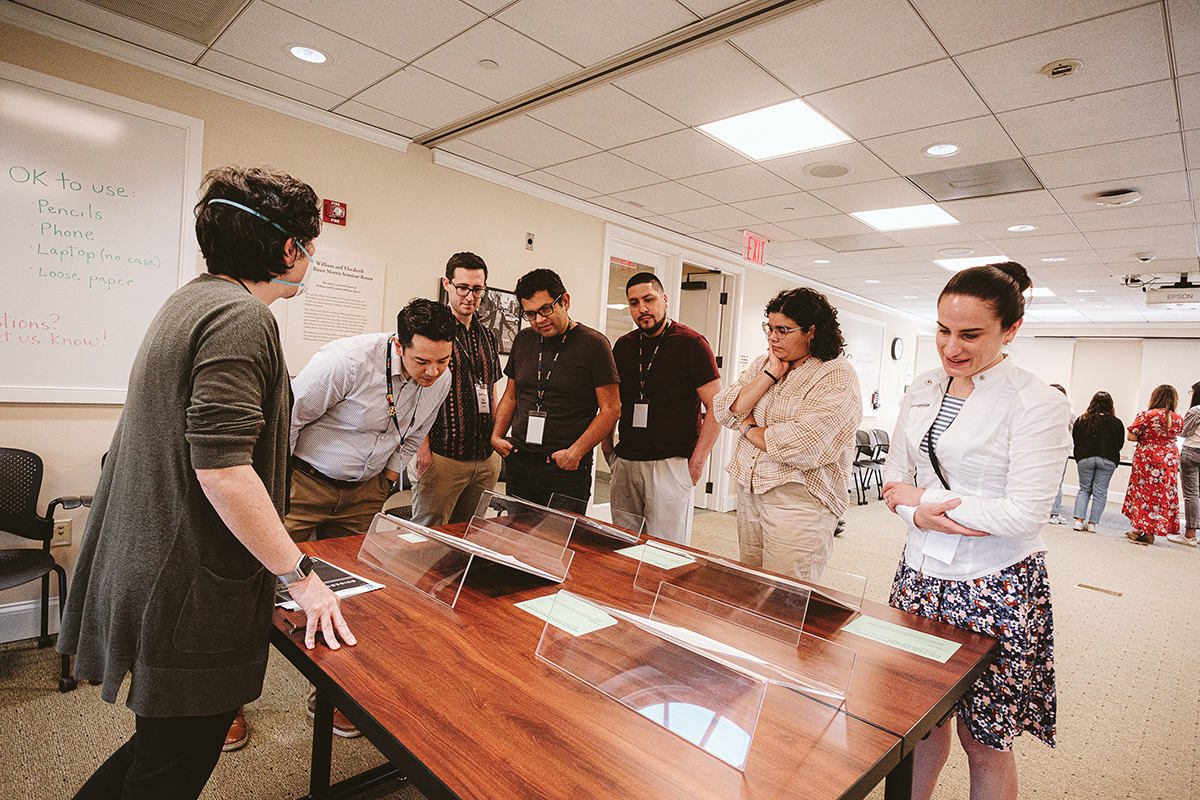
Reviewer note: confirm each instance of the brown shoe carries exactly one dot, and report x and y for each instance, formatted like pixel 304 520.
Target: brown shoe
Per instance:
pixel 341 726
pixel 238 734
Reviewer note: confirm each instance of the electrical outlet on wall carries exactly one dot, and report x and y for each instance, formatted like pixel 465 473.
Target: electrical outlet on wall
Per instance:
pixel 62 533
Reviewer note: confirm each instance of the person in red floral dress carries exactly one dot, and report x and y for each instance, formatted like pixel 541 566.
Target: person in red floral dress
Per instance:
pixel 1152 500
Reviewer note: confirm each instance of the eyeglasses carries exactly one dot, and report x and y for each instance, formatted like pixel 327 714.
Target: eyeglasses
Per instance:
pixel 778 331
pixel 544 311
pixel 462 290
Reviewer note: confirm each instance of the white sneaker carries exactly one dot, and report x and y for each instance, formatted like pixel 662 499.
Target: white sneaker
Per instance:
pixel 1181 539
pixel 1056 519
pixel 1078 526
pixel 1091 527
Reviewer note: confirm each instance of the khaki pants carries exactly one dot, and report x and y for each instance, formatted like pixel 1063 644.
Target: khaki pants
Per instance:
pixel 785 530
pixel 449 491
pixel 327 511
pixel 660 491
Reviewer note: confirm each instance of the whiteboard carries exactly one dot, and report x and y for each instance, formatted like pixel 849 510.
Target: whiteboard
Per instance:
pixel 96 195
pixel 864 349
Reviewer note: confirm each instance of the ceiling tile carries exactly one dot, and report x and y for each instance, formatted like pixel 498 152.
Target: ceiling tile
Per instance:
pixel 716 218
pixel 266 79
pixel 1104 162
pixel 1191 140
pixel 488 6
pixel 621 206
pixel 415 94
pixel 606 117
pixel 1133 216
pixel 1189 100
pixel 931 94
pixel 863 165
pixel 1149 238
pixel 1046 225
pixel 747 182
pixel 122 27
pixel 1119 50
pixel 823 45
pixel 795 205
pixel 680 154
pixel 1121 258
pixel 671 224
pixel 1038 203
pixel 982 140
pixel 461 147
pixel 1039 246
pixel 1095 119
pixel 1155 189
pixel 942 235
pixel 666 198
pixel 824 227
pixel 380 119
pixel 401 28
pixel 802 249
pixel 890 193
pixel 524 64
pixel 1185 31
pixel 963 25
pixel 605 173
pixel 933 252
pixel 705 85
pixel 560 185
pixel 263 34
pixel 590 32
pixel 706 8
pixel 530 142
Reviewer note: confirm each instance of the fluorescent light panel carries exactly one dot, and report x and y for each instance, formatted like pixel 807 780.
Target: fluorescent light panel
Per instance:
pixel 905 217
pixel 955 264
pixel 780 130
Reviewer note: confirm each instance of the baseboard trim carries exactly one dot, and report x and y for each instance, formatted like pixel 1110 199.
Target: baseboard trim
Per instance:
pixel 23 620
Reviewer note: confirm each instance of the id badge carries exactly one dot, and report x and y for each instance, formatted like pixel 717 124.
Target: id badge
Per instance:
pixel 641 414
pixel 537 427
pixel 481 398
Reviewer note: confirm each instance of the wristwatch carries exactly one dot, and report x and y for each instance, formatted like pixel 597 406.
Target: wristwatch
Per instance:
pixel 746 432
pixel 304 568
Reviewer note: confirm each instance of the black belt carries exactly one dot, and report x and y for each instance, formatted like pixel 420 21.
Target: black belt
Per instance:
pixel 310 470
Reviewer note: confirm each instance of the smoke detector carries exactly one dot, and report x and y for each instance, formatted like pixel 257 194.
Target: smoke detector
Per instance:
pixel 1118 197
pixel 1062 68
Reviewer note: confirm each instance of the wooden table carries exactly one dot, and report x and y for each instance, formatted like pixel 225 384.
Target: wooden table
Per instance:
pixel 458 702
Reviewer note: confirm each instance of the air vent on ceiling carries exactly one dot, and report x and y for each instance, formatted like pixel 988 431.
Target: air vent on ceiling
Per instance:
pixel 857 241
pixel 199 21
pixel 1118 197
pixel 828 169
pixel 977 180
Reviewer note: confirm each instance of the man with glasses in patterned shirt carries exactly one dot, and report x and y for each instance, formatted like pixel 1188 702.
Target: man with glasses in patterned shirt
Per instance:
pixel 561 399
pixel 456 463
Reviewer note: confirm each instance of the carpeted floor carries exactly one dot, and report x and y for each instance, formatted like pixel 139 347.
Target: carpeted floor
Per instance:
pixel 1128 683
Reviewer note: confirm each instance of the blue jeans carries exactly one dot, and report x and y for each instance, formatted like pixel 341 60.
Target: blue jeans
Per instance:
pixel 1094 474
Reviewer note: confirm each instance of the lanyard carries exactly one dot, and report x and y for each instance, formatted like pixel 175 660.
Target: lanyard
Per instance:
pixel 541 390
pixel 391 394
pixel 642 372
pixel 474 362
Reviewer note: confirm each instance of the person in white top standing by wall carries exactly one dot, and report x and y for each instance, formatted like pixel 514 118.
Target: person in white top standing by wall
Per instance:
pixel 975 460
pixel 1189 470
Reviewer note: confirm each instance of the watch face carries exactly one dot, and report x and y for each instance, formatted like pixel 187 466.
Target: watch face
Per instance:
pixel 897 348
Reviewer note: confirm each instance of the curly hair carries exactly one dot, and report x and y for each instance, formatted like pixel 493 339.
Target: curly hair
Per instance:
pixel 538 280
pixel 1089 421
pixel 426 318
pixel 807 308
pixel 241 244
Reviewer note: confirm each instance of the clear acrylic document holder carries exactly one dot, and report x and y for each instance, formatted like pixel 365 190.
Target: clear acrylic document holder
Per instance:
pixel 611 523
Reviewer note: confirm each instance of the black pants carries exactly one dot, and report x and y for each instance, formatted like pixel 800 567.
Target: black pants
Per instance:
pixel 167 757
pixel 533 477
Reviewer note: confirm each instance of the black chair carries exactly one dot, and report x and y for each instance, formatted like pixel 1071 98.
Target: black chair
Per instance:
pixel 861 469
pixel 20 482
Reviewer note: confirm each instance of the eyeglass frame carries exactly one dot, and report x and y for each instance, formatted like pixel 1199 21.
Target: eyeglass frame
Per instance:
pixel 779 331
pixel 545 311
pixel 463 290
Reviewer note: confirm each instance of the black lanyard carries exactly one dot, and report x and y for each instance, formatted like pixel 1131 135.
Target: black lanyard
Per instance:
pixel 541 390
pixel 642 372
pixel 391 394
pixel 933 459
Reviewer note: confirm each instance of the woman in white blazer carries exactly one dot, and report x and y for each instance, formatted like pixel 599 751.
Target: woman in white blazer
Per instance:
pixel 974 464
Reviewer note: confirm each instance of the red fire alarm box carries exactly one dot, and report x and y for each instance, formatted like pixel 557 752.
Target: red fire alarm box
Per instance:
pixel 334 212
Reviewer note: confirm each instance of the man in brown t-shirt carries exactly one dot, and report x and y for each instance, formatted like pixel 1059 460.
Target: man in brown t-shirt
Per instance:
pixel 667 370
pixel 561 398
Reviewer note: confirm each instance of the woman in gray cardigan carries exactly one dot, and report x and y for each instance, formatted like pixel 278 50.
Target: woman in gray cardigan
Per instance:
pixel 175 580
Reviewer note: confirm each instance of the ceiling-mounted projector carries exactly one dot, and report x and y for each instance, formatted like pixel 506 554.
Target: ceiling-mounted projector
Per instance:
pixel 1184 292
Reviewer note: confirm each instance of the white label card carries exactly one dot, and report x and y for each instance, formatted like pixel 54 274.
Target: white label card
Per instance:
pixel 641 414
pixel 940 546
pixel 537 427
pixel 482 399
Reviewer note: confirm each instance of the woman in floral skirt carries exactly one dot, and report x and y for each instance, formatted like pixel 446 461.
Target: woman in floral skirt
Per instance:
pixel 1152 500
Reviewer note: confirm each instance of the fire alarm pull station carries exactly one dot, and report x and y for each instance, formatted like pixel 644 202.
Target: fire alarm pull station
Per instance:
pixel 334 212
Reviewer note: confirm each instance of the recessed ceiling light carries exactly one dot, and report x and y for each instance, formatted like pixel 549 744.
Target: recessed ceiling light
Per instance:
pixel 910 297
pixel 1103 306
pixel 870 280
pixel 1052 259
pixel 617 306
pixel 905 217
pixel 791 127
pixel 1085 291
pixel 820 260
pixel 957 251
pixel 955 264
pixel 1022 228
pixel 487 63
pixel 942 150
pixel 308 54
pixel 1042 291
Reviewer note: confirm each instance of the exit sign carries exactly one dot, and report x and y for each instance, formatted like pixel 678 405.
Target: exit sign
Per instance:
pixel 754 248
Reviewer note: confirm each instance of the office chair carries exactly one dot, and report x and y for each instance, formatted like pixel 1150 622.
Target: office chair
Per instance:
pixel 20 482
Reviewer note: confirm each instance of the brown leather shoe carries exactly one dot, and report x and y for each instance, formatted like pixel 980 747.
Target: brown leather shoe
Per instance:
pixel 341 726
pixel 238 734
